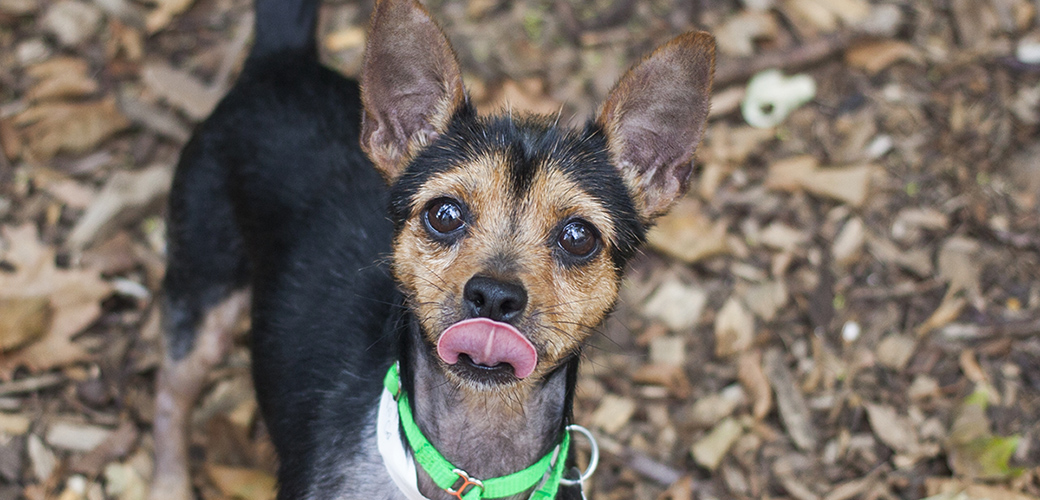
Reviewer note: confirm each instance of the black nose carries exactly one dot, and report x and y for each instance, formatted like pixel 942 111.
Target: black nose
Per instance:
pixel 490 298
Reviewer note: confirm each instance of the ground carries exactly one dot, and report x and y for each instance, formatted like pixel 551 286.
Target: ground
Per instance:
pixel 846 305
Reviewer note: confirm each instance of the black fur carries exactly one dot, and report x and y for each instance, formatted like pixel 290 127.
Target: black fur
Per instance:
pixel 274 193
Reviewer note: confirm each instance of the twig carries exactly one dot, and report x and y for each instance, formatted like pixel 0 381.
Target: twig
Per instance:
pixel 737 70
pixel 31 384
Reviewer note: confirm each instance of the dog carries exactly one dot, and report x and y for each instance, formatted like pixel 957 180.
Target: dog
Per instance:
pixel 420 279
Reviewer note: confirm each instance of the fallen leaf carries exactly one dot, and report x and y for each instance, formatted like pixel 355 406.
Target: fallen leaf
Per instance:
pixel 669 376
pixel 123 482
pixel 969 490
pixel 710 409
pixel 668 350
pixel 348 38
pixel 849 241
pixel 734 329
pixel 61 78
pixel 846 184
pixel 164 12
pixel 738 34
pixel 895 431
pixel 76 436
pixel 71 21
pixel 181 90
pixel 613 413
pixel 753 378
pixel 242 483
pixel 949 309
pixel 794 412
pixel 22 320
pixel 49 128
pixel 783 237
pixel 766 299
pixel 709 451
pixel 115 446
pixel 14 424
pixel 124 197
pixel 686 234
pixel 74 296
pixel 973 451
pixel 41 458
pixel 895 351
pixel 677 305
pixel 873 56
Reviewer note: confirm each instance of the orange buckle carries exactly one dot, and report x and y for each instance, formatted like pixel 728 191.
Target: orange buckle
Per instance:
pixel 467 482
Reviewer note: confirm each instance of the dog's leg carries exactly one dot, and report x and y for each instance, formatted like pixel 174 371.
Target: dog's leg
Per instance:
pixel 179 384
pixel 203 297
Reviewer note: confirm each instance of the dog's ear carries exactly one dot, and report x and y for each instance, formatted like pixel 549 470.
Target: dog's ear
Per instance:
pixel 654 118
pixel 410 84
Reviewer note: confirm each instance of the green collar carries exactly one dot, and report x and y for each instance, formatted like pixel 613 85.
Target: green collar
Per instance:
pixel 456 481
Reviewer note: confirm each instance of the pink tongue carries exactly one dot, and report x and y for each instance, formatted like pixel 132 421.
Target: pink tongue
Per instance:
pixel 488 343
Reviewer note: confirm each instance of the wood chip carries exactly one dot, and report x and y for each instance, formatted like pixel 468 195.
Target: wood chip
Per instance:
pixel 709 451
pixel 753 378
pixel 794 412
pixel 686 234
pixel 76 436
pixel 613 413
pixel 678 305
pixel 734 329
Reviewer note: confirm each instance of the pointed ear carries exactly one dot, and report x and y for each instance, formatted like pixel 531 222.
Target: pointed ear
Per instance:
pixel 654 118
pixel 410 85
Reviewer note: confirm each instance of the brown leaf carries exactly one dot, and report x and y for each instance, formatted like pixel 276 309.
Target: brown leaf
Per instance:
pixel 70 127
pixel 846 184
pixel 60 78
pixel 125 196
pixel 686 234
pixel 952 486
pixel 875 55
pixel 182 90
pixel 165 11
pixel 74 296
pixel 22 320
pixel 753 378
pixel 734 329
pixel 241 483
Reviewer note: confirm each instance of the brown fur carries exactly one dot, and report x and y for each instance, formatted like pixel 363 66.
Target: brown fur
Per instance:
pixel 509 239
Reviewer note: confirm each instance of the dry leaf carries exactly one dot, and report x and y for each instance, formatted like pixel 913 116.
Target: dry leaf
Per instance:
pixel 790 402
pixel 712 408
pixel 345 39
pixel 734 329
pixel 23 320
pixel 686 234
pixel 897 432
pixel 737 35
pixel 670 376
pixel 753 378
pixel 182 90
pixel 849 241
pixel 846 184
pixel 766 299
pixel 948 310
pixel 164 12
pixel 74 296
pixel 875 55
pixel 242 483
pixel 970 491
pixel 677 305
pixel 125 196
pixel 71 21
pixel 613 413
pixel 70 127
pixel 60 78
pixel 709 451
pixel 895 351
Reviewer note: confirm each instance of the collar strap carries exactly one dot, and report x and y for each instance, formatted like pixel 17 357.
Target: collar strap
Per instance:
pixel 458 482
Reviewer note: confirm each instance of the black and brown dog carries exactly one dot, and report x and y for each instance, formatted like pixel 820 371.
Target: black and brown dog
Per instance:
pixel 388 223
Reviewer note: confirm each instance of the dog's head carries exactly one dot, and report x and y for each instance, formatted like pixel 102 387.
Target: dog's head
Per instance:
pixel 512 233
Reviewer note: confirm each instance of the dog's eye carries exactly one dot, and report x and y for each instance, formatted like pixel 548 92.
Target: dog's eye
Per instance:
pixel 579 238
pixel 444 215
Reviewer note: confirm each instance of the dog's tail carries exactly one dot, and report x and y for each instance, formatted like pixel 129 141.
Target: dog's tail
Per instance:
pixel 285 26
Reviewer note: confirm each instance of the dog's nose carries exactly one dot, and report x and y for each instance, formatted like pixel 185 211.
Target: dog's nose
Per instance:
pixel 494 299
